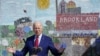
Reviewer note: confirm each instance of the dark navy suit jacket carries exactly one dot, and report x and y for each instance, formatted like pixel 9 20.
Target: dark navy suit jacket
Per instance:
pixel 97 46
pixel 46 44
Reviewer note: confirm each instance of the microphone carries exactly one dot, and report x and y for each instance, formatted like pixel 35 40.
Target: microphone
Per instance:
pixel 39 49
pixel 36 50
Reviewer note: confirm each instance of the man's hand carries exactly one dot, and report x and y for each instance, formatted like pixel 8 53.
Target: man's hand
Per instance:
pixel 62 47
pixel 11 49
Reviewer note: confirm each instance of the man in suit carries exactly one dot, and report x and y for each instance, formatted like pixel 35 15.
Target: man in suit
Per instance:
pixel 44 42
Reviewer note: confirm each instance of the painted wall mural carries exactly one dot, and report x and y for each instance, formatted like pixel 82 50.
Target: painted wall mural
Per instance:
pixel 74 22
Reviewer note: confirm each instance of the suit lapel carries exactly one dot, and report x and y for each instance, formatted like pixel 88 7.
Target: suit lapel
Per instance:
pixel 31 43
pixel 42 41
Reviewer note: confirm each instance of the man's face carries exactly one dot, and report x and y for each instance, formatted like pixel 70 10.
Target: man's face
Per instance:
pixel 37 28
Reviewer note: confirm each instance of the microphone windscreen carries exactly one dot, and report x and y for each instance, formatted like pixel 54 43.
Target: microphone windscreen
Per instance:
pixel 39 49
pixel 36 50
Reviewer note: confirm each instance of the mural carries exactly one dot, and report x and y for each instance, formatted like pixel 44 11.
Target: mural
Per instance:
pixel 74 22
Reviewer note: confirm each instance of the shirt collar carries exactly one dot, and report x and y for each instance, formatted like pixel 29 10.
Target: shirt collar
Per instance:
pixel 39 36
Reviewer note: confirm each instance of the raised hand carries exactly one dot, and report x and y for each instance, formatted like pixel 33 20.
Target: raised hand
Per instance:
pixel 62 47
pixel 11 49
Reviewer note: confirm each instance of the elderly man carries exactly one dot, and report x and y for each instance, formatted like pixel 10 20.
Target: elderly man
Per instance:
pixel 39 42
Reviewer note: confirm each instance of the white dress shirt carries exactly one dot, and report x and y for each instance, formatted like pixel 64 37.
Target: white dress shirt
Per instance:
pixel 39 38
